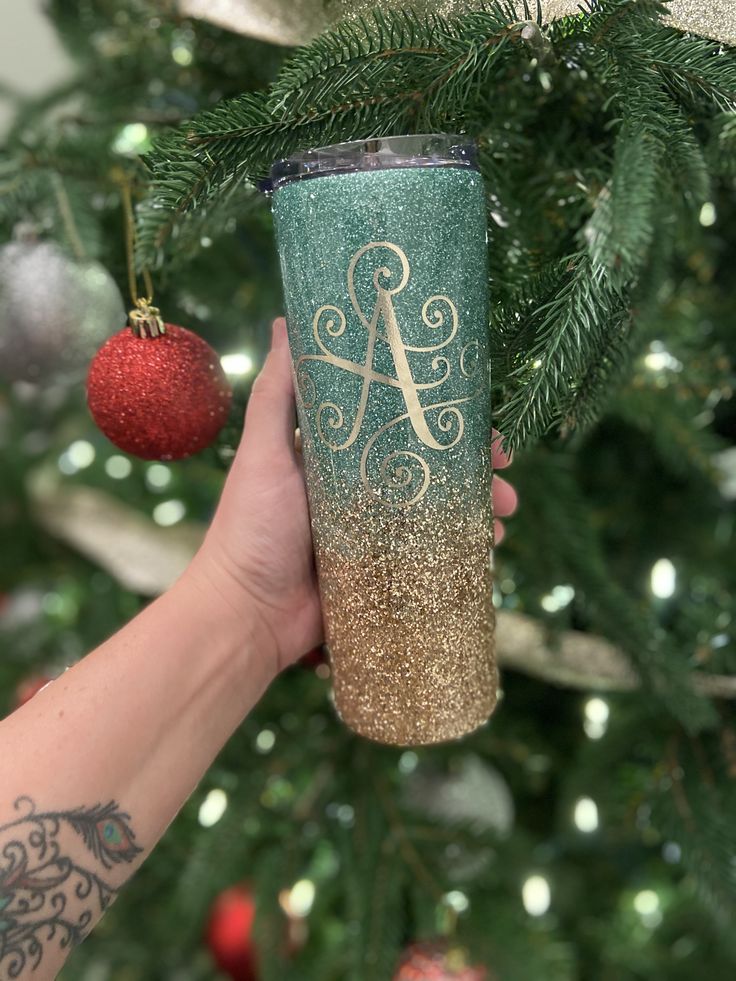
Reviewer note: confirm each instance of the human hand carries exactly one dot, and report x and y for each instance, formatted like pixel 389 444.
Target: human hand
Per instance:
pixel 505 499
pixel 258 551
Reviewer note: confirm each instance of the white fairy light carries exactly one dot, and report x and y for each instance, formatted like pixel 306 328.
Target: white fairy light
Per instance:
pixel 560 597
pixel 646 901
pixel 408 761
pixel 81 453
pixel 132 140
pixel 237 364
pixel 457 901
pixel 707 215
pixel 659 359
pixel 158 476
pixel 118 467
pixel 585 815
pixel 168 513
pixel 265 741
pixel 65 464
pixel 595 722
pixel 212 808
pixel 647 905
pixel 536 895
pixel 663 579
pixel 297 902
pixel 182 54
pixel 301 898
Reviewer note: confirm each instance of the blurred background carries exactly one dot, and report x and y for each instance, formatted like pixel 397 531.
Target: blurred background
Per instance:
pixel 34 61
pixel 587 831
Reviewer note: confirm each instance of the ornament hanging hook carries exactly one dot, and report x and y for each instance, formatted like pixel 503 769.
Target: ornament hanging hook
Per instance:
pixel 145 319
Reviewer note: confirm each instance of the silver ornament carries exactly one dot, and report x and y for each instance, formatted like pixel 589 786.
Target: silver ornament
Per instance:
pixel 54 312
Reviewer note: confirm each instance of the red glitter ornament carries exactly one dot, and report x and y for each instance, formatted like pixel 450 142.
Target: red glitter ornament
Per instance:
pixel 438 961
pixel 229 933
pixel 158 391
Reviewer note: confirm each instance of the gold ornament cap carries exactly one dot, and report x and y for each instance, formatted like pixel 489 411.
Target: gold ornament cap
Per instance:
pixel 145 319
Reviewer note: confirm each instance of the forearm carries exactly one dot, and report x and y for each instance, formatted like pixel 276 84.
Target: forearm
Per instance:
pixel 136 722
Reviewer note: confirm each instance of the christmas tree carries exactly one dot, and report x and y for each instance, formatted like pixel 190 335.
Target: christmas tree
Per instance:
pixel 587 830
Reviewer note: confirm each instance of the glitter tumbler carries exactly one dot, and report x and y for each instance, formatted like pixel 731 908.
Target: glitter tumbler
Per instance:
pixel 383 255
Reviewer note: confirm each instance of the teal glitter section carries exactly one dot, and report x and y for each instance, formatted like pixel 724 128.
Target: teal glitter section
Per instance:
pixel 435 216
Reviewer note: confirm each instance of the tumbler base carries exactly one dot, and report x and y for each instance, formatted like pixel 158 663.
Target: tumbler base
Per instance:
pixel 429 730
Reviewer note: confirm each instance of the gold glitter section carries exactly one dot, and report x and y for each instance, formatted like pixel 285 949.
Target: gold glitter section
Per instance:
pixel 409 619
pixel 298 21
pixel 713 18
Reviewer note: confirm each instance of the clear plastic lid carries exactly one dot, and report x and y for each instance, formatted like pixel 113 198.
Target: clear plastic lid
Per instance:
pixel 379 153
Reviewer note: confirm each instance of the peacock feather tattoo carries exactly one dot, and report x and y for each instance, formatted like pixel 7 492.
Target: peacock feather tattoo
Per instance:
pixel 45 895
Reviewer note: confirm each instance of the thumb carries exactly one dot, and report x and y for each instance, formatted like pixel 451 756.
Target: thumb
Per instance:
pixel 270 414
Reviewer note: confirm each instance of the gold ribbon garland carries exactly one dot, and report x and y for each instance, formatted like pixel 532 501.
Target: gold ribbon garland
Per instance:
pixel 293 22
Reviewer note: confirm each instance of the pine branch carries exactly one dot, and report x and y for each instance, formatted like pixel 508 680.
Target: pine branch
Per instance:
pixel 569 330
pixel 655 150
pixel 666 417
pixel 34 190
pixel 341 60
pixel 396 73
pixel 586 400
pixel 553 500
pixel 620 228
pixel 184 180
pixel 656 155
pixel 239 139
pixel 721 149
pixel 695 69
pixel 21 188
pixel 235 203
pixel 374 875
pixel 268 928
pixel 512 319
pixel 700 822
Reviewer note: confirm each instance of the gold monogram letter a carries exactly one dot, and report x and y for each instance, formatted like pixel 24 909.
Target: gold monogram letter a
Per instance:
pixel 405 475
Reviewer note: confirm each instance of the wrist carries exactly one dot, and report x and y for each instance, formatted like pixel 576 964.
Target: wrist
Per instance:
pixel 231 611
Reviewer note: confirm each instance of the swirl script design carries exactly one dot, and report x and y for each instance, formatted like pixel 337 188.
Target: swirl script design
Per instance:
pixel 46 893
pixel 405 475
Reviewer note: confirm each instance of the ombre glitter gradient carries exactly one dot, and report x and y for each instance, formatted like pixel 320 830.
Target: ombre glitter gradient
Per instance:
pixel 385 284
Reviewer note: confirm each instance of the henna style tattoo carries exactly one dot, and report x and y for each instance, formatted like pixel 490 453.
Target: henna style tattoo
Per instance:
pixel 45 894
